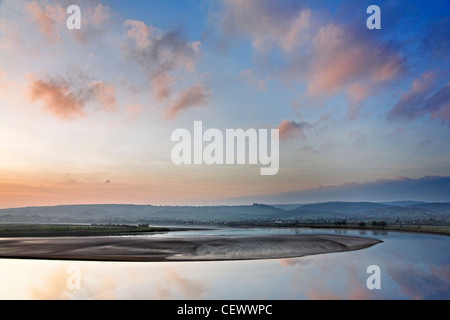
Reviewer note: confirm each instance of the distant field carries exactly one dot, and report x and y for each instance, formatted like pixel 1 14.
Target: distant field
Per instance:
pixel 29 230
pixel 406 213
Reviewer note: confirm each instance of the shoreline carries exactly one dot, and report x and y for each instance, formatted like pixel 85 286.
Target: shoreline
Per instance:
pixel 417 229
pixel 158 229
pixel 16 232
pixel 180 249
pixel 422 229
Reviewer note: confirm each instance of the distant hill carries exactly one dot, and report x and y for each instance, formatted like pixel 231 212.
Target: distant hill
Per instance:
pixel 122 213
pixel 338 206
pixel 438 206
pixel 333 210
pixel 355 211
pixel 328 211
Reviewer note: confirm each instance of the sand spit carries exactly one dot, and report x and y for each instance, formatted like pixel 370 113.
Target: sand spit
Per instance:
pixel 188 248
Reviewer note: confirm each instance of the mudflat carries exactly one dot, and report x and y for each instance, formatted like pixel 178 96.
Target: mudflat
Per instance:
pixel 187 248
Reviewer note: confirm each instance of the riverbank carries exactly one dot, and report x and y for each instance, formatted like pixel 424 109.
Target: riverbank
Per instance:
pixel 64 230
pixel 426 229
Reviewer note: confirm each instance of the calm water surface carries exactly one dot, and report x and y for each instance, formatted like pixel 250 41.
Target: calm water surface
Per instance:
pixel 413 266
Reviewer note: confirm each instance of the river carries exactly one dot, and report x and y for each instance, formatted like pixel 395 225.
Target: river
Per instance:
pixel 411 266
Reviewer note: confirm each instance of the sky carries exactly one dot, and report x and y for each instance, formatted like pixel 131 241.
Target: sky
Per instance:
pixel 86 115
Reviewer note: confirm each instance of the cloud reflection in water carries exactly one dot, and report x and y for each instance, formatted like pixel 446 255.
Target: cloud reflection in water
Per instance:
pixel 412 267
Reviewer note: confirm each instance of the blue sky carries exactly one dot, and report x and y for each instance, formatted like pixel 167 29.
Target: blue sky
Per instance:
pixel 79 108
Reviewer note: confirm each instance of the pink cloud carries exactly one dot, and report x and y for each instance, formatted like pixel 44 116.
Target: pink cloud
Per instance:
pixel 356 93
pixel 329 58
pixel 105 94
pixel 66 100
pixel 439 104
pixel 161 85
pixel 387 69
pixel 57 99
pixel 420 100
pixel 301 23
pixel 289 129
pixel 191 97
pixel 165 59
pixel 47 18
pixel 341 59
pixel 264 23
pixel 139 32
pixel 95 22
pixel 158 52
pixel 98 14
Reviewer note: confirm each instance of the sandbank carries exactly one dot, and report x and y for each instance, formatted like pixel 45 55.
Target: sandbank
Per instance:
pixel 179 248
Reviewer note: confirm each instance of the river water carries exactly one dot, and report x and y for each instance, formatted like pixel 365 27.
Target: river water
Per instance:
pixel 411 266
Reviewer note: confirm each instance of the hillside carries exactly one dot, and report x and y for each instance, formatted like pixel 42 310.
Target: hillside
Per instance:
pixel 119 213
pixel 422 213
pixel 429 213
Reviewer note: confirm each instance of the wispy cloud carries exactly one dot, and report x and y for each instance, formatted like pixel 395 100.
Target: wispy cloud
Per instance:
pixel 159 53
pixel 50 18
pixel 254 80
pixel 439 104
pixel 47 17
pixel 190 98
pixel 166 59
pixel 163 57
pixel 104 94
pixel 96 22
pixel 342 59
pixel 328 58
pixel 266 23
pixel 422 100
pixel 139 32
pixel 356 93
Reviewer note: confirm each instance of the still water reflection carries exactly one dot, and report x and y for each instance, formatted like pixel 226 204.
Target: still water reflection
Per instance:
pixel 413 266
